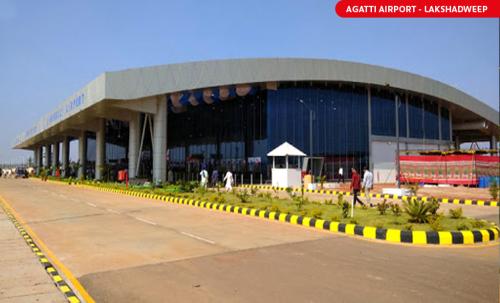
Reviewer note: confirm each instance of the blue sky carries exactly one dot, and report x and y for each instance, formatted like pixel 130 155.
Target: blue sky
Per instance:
pixel 49 49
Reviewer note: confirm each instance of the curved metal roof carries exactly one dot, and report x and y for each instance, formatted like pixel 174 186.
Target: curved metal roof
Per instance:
pixel 157 80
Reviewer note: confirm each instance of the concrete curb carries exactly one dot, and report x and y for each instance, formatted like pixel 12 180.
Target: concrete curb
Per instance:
pixel 60 283
pixel 381 196
pixel 390 235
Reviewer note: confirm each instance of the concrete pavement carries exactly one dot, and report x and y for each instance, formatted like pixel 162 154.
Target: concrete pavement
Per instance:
pixel 22 277
pixel 123 248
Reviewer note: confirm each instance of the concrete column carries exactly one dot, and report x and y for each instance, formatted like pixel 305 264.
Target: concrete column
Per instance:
pixel 457 142
pixel 370 156
pixel 100 147
pixel 35 159
pixel 39 159
pixel 65 158
pixel 493 142
pixel 134 137
pixel 55 157
pixel 48 156
pixel 160 141
pixel 82 154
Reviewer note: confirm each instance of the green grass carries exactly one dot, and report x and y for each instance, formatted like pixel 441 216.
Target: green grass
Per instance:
pixel 362 216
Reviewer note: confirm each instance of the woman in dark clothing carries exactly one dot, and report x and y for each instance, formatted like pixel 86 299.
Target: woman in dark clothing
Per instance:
pixel 355 187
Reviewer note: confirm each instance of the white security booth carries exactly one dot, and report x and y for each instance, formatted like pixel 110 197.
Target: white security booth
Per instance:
pixel 286 173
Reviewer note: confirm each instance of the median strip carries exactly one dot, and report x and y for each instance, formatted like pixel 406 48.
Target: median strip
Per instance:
pixel 464 237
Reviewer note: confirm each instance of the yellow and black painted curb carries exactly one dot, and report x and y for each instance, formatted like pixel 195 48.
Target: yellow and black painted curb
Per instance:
pixel 391 235
pixel 60 283
pixel 381 196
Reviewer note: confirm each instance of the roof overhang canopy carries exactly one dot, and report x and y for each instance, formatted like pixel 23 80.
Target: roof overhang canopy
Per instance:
pixel 108 93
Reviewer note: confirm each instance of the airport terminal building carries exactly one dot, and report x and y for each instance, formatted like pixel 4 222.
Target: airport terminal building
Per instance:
pixel 228 114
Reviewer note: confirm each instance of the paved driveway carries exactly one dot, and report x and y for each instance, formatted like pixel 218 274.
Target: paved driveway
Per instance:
pixel 127 249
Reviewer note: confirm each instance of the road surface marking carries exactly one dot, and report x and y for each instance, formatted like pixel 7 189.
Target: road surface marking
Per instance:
pixel 145 221
pixel 112 211
pixel 197 237
pixel 91 204
pixel 69 275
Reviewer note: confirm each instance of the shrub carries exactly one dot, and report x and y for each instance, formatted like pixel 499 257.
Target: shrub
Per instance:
pixel 408 227
pixel 253 191
pixel 322 181
pixel 299 200
pixel 383 207
pixel 316 213
pixel 353 221
pixel 379 225
pixel 273 208
pixel 187 187
pixel 435 222
pixel 335 218
pixel 456 213
pixel 463 226
pixel 200 190
pixel 433 206
pixel 328 202
pixel 396 209
pixel 417 210
pixel 494 189
pixel 242 195
pixel 479 224
pixel 344 206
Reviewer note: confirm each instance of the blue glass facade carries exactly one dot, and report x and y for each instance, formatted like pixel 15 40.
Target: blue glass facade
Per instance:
pixel 340 124
pixel 383 110
pixel 236 134
pixel 416 117
pixel 445 124
pixel 402 115
pixel 431 120
pixel 423 116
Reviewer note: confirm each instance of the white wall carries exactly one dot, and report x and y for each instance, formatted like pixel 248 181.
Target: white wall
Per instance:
pixel 384 158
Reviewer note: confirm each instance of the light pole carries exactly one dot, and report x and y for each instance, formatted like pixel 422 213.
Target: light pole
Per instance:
pixel 311 118
pixel 398 168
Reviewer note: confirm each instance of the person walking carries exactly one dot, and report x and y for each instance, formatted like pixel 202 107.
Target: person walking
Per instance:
pixel 204 178
pixel 368 184
pixel 228 178
pixel 215 177
pixel 355 187
pixel 341 175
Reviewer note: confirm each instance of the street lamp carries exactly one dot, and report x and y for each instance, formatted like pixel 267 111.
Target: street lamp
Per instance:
pixel 311 118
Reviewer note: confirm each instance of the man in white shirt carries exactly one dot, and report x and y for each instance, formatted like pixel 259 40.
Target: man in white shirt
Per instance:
pixel 367 184
pixel 204 178
pixel 341 174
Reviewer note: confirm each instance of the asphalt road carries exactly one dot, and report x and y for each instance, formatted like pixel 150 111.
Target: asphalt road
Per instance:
pixel 127 249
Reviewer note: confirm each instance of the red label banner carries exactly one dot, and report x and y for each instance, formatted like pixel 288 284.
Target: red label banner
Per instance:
pixel 418 8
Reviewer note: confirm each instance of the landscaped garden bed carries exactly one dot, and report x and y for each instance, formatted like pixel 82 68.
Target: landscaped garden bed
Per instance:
pixel 411 215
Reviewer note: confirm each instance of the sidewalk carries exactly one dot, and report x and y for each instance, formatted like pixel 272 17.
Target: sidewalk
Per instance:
pixel 22 278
